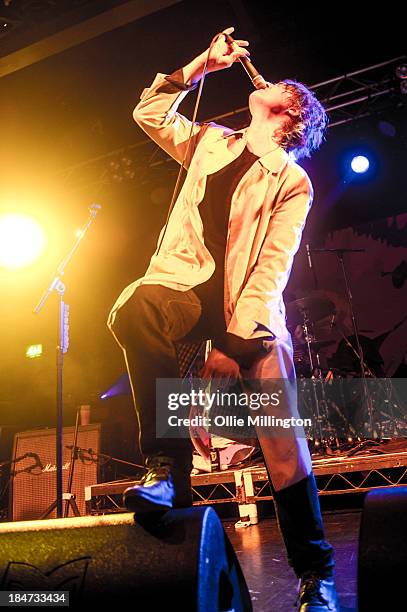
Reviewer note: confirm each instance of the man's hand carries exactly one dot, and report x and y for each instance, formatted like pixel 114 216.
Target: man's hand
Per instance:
pixel 222 55
pixel 219 365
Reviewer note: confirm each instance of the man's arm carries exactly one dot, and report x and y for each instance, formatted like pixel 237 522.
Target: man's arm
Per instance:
pixel 156 113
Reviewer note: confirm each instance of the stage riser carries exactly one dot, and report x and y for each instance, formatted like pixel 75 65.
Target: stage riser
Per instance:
pixel 341 476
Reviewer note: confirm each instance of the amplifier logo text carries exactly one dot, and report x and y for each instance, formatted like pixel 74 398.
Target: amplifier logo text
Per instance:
pixel 53 468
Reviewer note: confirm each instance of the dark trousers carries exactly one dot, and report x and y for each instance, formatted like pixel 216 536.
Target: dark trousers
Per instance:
pixel 147 326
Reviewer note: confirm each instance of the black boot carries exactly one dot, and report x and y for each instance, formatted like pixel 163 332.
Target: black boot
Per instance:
pixel 317 594
pixel 166 485
pixel 300 520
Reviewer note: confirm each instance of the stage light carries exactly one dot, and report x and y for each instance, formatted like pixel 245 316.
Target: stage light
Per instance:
pixel 22 240
pixel 34 351
pixel 401 71
pixel 360 164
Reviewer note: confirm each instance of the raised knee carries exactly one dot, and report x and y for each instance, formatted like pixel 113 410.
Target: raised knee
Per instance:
pixel 145 299
pixel 134 313
pixel 144 294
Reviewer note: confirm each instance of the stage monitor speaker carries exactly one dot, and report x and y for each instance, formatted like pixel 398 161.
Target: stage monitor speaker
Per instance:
pixel 182 561
pixel 383 550
pixel 33 484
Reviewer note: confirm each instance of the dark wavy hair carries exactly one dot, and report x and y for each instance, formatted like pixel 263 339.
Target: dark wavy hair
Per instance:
pixel 303 133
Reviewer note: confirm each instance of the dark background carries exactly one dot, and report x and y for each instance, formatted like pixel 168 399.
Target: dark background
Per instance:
pixel 62 117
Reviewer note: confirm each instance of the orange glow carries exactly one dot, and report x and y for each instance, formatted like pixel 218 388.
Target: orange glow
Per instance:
pixel 22 241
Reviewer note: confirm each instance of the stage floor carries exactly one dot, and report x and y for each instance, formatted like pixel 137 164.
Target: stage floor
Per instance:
pixel 271 581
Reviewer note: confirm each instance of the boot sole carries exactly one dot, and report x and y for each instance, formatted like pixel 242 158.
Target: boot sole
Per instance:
pixel 140 505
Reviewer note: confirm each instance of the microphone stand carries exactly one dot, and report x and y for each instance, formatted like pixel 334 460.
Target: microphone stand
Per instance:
pixel 311 265
pixel 94 456
pixel 62 346
pixel 69 496
pixel 340 253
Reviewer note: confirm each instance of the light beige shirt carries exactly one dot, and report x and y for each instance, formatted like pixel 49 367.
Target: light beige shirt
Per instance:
pixel 268 211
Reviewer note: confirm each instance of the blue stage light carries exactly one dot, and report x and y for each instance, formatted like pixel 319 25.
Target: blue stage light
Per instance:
pixel 360 164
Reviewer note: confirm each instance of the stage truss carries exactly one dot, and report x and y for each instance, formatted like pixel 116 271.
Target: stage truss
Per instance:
pixel 347 98
pixel 246 486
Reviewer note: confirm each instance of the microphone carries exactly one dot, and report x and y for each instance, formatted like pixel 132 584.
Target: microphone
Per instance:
pixel 95 207
pixel 309 255
pixel 257 80
pixel 81 451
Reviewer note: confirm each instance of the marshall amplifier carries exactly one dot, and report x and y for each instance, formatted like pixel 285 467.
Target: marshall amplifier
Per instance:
pixel 33 479
pixel 6 444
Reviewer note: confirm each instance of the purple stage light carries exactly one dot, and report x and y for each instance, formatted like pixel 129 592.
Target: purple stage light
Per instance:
pixel 120 387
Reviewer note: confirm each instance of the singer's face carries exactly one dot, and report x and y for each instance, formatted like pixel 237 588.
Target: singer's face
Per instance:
pixel 275 99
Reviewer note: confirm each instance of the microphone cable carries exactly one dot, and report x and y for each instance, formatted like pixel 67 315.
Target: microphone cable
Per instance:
pixel 194 115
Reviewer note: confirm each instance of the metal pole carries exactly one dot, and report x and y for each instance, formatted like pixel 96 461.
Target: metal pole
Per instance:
pixel 59 404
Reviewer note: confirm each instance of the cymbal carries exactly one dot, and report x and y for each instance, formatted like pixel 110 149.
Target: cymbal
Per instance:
pixel 311 308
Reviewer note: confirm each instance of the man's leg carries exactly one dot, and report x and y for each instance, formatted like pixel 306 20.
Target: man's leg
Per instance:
pixel 294 489
pixel 147 326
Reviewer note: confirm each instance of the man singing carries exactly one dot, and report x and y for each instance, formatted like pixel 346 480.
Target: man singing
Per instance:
pixel 224 260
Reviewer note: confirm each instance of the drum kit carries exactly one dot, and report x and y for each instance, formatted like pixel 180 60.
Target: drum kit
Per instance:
pixel 341 382
pixel 347 404
pixel 349 409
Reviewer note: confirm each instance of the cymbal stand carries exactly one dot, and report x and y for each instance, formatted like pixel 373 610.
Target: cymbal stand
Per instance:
pixel 354 351
pixel 308 339
pixel 340 256
pixel 368 399
pixel 324 429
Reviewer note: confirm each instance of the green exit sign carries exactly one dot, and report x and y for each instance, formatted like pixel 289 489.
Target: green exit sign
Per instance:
pixel 33 351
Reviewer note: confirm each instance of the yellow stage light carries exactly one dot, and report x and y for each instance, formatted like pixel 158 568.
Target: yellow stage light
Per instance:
pixel 33 351
pixel 22 240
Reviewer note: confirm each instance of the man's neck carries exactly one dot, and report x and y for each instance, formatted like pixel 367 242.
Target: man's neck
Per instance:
pixel 261 136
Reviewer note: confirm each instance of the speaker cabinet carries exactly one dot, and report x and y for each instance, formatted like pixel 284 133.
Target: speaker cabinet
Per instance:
pixel 6 446
pixel 183 561
pixel 382 559
pixel 33 477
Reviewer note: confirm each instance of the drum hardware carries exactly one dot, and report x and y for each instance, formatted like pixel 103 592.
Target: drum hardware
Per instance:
pixel 340 255
pixel 364 444
pixel 304 313
pixel 315 307
pixel 320 405
pixel 363 363
pixel 343 433
pixel 384 397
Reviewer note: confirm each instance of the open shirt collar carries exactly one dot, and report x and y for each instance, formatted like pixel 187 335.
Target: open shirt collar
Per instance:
pixel 274 161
